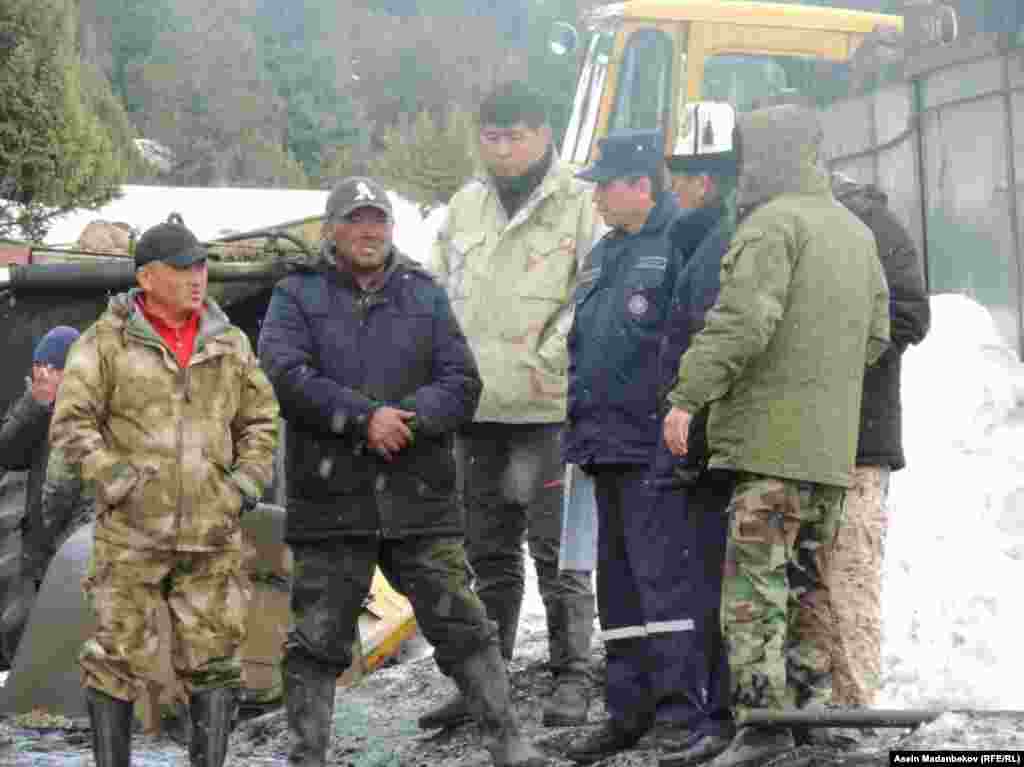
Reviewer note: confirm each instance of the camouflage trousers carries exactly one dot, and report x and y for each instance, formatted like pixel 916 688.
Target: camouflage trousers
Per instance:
pixel 206 594
pixel 856 586
pixel 332 579
pixel 776 610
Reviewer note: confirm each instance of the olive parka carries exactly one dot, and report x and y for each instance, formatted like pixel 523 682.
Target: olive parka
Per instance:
pixel 803 308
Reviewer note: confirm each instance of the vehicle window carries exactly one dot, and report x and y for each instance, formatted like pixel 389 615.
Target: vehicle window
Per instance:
pixel 583 122
pixel 644 94
pixel 748 81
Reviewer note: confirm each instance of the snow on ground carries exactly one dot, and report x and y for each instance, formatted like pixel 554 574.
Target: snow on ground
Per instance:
pixel 215 212
pixel 955 552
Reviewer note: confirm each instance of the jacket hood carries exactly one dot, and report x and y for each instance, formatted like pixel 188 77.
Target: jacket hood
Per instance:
pixel 780 154
pixel 213 320
pixel 860 198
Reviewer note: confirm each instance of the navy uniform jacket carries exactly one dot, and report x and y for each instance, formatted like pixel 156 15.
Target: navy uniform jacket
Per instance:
pixel 622 303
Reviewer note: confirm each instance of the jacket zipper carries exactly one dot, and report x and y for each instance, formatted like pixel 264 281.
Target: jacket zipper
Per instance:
pixel 364 304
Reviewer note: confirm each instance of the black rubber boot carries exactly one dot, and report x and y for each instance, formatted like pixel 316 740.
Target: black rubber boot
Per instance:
pixel 451 713
pixel 755 744
pixel 503 606
pixel 702 748
pixel 570 631
pixel 610 739
pixel 111 721
pixel 309 690
pixel 484 682
pixel 213 717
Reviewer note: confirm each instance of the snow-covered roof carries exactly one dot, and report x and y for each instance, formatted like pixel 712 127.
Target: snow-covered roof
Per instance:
pixel 214 212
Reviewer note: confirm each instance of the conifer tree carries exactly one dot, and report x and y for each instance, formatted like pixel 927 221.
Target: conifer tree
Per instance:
pixel 55 153
pixel 433 162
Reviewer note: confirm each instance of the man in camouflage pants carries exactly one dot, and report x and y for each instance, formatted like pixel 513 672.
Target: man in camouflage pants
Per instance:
pixel 165 408
pixel 803 307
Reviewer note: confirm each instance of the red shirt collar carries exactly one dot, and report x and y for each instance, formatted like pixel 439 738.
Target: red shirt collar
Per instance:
pixel 180 340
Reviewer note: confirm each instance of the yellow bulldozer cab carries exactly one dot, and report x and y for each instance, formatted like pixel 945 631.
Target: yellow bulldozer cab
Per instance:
pixel 645 59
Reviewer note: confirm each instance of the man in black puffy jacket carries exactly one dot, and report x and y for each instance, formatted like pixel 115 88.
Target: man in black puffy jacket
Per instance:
pixel 28 540
pixel 857 561
pixel 374 375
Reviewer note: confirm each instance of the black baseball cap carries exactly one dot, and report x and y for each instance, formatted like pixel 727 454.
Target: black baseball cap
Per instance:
pixel 169 243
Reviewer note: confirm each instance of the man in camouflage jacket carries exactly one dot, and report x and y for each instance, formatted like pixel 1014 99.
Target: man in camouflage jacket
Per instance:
pixel 165 408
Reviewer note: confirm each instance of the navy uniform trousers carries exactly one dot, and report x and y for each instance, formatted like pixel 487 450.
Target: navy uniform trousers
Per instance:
pixel 660 552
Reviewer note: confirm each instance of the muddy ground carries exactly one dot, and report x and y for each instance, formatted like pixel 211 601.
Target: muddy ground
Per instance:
pixel 375 726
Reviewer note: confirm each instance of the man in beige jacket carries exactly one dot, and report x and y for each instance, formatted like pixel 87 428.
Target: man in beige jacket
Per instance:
pixel 508 255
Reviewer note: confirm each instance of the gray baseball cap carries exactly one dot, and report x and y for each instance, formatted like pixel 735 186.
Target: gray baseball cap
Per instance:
pixel 357 192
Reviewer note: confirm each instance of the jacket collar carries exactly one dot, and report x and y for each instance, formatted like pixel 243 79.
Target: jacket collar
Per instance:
pixel 397 262
pixel 665 210
pixel 212 321
pixel 694 225
pixel 557 180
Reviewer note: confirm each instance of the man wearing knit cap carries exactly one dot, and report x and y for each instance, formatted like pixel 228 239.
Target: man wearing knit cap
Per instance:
pixel 165 409
pixel 26 549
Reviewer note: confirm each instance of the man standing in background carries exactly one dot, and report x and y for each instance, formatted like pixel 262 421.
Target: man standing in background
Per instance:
pixel 508 255
pixel 704 168
pixel 860 547
pixel 24 445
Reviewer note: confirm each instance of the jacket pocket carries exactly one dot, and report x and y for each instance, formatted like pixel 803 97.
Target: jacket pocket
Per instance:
pixel 460 250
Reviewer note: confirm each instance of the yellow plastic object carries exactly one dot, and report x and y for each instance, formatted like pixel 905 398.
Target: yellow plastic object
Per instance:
pixel 387 621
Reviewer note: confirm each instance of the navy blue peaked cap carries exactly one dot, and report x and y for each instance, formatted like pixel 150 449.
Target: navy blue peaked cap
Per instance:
pixel 626 153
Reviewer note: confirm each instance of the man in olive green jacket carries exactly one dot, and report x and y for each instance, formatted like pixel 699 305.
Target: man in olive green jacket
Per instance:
pixel 509 254
pixel 803 308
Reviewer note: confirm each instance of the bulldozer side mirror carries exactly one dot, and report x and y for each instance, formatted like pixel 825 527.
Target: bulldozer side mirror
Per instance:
pixel 563 38
pixel 927 25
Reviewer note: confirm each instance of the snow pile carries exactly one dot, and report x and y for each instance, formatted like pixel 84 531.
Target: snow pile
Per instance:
pixel 955 551
pixel 214 212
